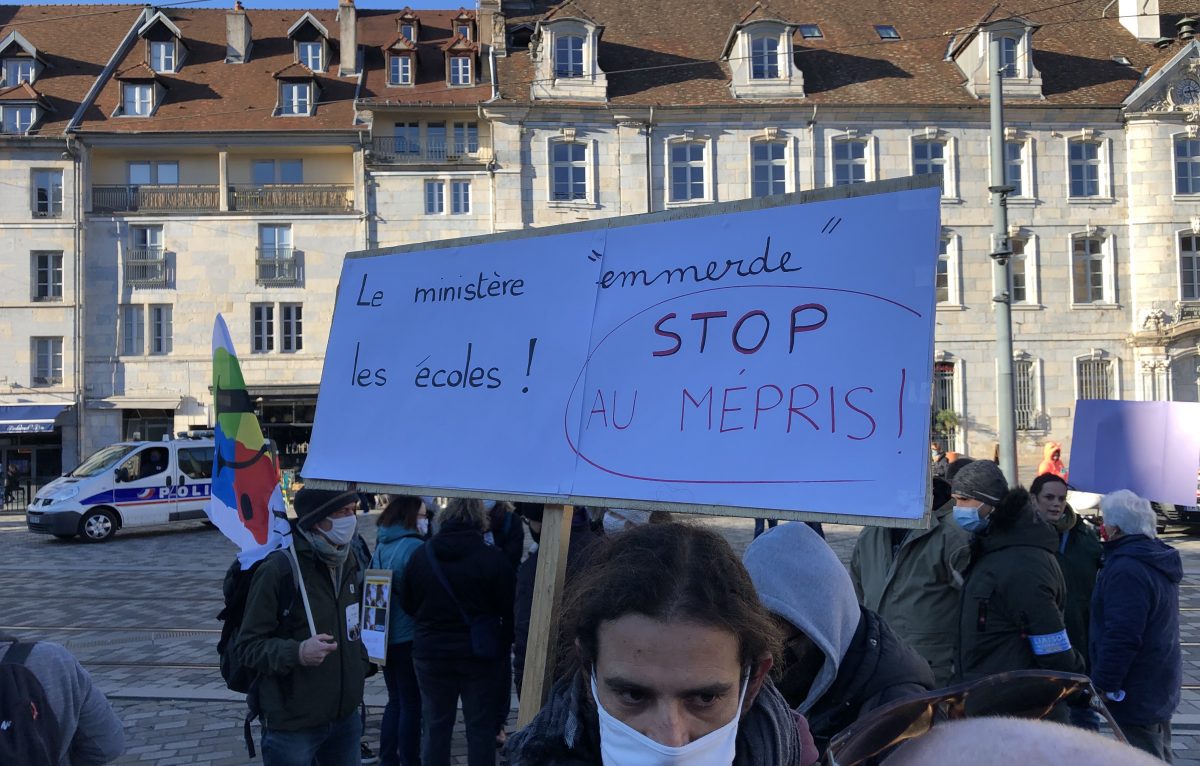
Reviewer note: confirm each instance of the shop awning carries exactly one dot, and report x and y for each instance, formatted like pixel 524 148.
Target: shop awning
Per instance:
pixel 29 418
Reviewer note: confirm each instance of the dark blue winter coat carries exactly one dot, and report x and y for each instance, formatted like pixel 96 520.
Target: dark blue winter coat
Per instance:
pixel 1134 635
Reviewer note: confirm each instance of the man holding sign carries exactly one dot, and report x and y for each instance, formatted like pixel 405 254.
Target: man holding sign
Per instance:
pixel 311 684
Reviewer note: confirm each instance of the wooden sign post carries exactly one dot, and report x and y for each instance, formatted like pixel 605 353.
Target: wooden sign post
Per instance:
pixel 542 650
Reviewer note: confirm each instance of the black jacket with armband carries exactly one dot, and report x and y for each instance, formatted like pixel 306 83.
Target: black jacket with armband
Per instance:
pixel 1012 601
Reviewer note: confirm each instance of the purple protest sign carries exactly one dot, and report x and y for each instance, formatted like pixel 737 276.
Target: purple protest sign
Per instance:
pixel 1151 448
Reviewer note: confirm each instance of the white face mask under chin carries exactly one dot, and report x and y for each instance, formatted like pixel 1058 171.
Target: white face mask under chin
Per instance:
pixel 622 745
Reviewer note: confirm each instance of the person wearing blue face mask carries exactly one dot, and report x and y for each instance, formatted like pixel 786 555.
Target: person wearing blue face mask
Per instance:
pixel 1013 596
pixel 670 655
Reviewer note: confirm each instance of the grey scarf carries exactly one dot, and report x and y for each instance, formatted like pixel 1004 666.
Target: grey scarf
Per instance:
pixel 567 733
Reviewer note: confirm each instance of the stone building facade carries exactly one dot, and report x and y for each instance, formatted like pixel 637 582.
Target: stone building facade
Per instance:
pixel 224 161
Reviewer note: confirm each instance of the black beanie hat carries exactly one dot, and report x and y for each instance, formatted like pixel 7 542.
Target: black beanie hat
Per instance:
pixel 314 505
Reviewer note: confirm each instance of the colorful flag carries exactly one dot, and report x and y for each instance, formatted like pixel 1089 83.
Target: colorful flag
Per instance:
pixel 247 499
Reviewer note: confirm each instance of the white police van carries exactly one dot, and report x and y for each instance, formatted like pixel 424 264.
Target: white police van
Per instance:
pixel 128 484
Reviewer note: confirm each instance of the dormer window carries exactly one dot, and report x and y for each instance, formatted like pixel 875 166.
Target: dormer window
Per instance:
pixel 568 56
pixel 137 99
pixel 18 119
pixel 463 30
pixel 409 25
pixel 311 55
pixel 759 54
pixel 162 56
pixel 972 56
pixel 17 71
pixel 565 52
pixel 309 36
pixel 764 57
pixel 164 44
pixel 295 98
pixel 400 70
pixel 460 70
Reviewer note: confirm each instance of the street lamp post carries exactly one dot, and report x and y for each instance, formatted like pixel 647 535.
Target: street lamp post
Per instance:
pixel 1001 254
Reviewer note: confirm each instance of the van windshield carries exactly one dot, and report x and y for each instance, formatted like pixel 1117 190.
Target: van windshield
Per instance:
pixel 102 460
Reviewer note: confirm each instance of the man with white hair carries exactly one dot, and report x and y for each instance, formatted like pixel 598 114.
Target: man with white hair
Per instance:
pixel 1134 635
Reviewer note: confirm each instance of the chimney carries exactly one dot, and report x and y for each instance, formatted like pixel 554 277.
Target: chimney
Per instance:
pixel 237 35
pixel 491 26
pixel 348 18
pixel 1141 18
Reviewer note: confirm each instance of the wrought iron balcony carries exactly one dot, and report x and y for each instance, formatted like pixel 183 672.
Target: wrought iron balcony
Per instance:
pixel 170 198
pixel 292 198
pixel 276 266
pixel 146 267
pixel 389 150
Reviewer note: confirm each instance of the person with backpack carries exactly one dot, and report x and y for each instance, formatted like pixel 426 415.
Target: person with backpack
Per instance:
pixel 309 658
pixel 50 712
pixel 402 528
pixel 459 591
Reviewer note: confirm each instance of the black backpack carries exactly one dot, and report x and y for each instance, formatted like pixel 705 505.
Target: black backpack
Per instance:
pixel 29 733
pixel 236 590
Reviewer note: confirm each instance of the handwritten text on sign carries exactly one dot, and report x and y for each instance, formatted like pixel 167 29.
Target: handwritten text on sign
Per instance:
pixel 774 358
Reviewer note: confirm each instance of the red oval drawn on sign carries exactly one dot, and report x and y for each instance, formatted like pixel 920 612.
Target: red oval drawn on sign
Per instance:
pixel 669 480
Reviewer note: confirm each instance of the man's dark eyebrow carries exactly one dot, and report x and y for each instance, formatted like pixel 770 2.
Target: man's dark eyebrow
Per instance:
pixel 618 684
pixel 712 690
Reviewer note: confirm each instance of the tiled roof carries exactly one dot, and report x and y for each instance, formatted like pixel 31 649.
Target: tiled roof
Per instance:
pixel 659 52
pixel 21 92
pixel 459 44
pixel 206 94
pixel 140 71
pixel 73 58
pixel 295 71
pixel 378 28
pixel 400 43
pixel 760 12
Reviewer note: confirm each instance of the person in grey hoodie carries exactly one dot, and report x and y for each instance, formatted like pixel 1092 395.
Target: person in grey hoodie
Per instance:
pixel 90 734
pixel 841 660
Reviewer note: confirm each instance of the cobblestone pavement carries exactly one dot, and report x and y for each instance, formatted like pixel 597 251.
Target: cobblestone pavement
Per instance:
pixel 140 613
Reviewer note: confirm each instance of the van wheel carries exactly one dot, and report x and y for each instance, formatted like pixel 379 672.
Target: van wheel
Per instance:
pixel 98 526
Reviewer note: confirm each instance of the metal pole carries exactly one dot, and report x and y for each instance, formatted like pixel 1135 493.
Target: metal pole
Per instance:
pixel 1001 252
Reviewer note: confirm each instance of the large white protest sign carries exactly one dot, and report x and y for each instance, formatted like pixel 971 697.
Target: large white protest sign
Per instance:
pixel 772 355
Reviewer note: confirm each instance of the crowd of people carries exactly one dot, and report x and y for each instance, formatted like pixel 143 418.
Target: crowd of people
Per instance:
pixel 674 650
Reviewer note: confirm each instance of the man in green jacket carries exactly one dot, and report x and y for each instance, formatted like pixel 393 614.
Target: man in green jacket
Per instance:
pixel 1012 605
pixel 913 579
pixel 310 686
